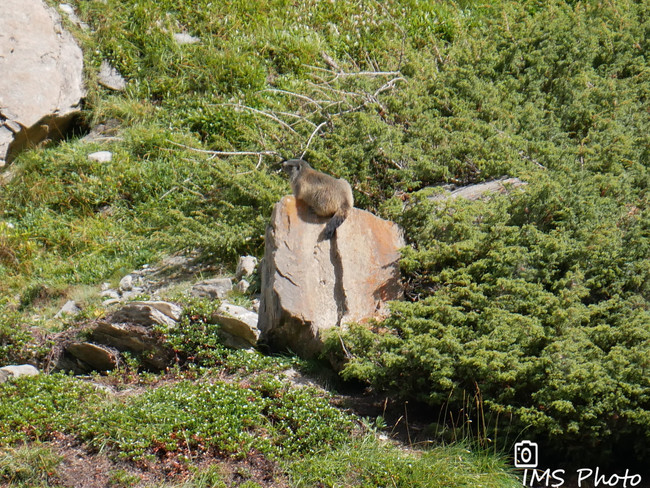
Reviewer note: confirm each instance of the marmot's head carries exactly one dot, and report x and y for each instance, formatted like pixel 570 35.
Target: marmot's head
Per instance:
pixel 293 167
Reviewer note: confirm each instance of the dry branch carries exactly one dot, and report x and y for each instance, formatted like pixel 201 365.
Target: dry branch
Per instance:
pixel 225 153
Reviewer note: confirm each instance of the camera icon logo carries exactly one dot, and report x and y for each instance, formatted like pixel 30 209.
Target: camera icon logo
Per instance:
pixel 526 454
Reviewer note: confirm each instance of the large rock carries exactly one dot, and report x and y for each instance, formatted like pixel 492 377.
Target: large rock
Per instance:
pixel 309 286
pixel 136 339
pixel 41 76
pixel 132 328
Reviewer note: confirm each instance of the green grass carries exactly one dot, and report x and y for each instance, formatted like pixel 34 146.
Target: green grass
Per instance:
pixel 369 463
pixel 28 466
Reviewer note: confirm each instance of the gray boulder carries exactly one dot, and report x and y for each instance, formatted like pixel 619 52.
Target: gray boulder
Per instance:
pixel 41 81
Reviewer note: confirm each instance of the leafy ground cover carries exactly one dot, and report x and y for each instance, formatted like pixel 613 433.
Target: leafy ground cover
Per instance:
pixel 527 314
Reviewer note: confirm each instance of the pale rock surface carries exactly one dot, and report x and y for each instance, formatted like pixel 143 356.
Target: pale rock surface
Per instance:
pixel 69 309
pixel 245 267
pixel 238 322
pixel 480 190
pixel 8 372
pixel 110 78
pixel 213 288
pixel 101 156
pixel 148 314
pixel 41 80
pixel 309 286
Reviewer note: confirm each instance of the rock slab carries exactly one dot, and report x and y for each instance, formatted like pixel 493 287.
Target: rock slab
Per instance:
pixel 309 286
pixel 237 323
pixel 41 81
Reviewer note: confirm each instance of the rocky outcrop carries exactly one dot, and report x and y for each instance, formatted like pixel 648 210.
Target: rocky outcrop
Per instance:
pixel 132 329
pixel 309 285
pixel 41 80
pixel 93 357
pixel 148 314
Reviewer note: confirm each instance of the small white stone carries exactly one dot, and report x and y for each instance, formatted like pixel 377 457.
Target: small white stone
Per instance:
pixel 110 77
pixel 126 283
pixel 101 156
pixel 243 286
pixel 246 266
pixel 183 38
pixel 66 8
pixel 70 308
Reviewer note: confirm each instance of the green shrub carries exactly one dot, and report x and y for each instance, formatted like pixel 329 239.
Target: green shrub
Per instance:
pixel 535 303
pixel 196 343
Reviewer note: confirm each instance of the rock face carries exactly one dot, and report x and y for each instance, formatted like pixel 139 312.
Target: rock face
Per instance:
pixel 310 286
pixel 41 80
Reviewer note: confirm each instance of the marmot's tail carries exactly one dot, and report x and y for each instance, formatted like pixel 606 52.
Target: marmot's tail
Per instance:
pixel 336 220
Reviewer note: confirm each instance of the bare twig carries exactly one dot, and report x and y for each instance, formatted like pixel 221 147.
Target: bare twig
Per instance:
pixel 330 61
pixel 389 85
pixel 346 74
pixel 225 153
pixel 311 137
pixel 297 95
pixel 261 112
pixel 528 158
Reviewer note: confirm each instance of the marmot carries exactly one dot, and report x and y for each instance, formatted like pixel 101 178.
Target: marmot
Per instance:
pixel 325 195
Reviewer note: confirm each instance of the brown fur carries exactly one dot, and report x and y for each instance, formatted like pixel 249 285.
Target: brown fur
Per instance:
pixel 325 195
